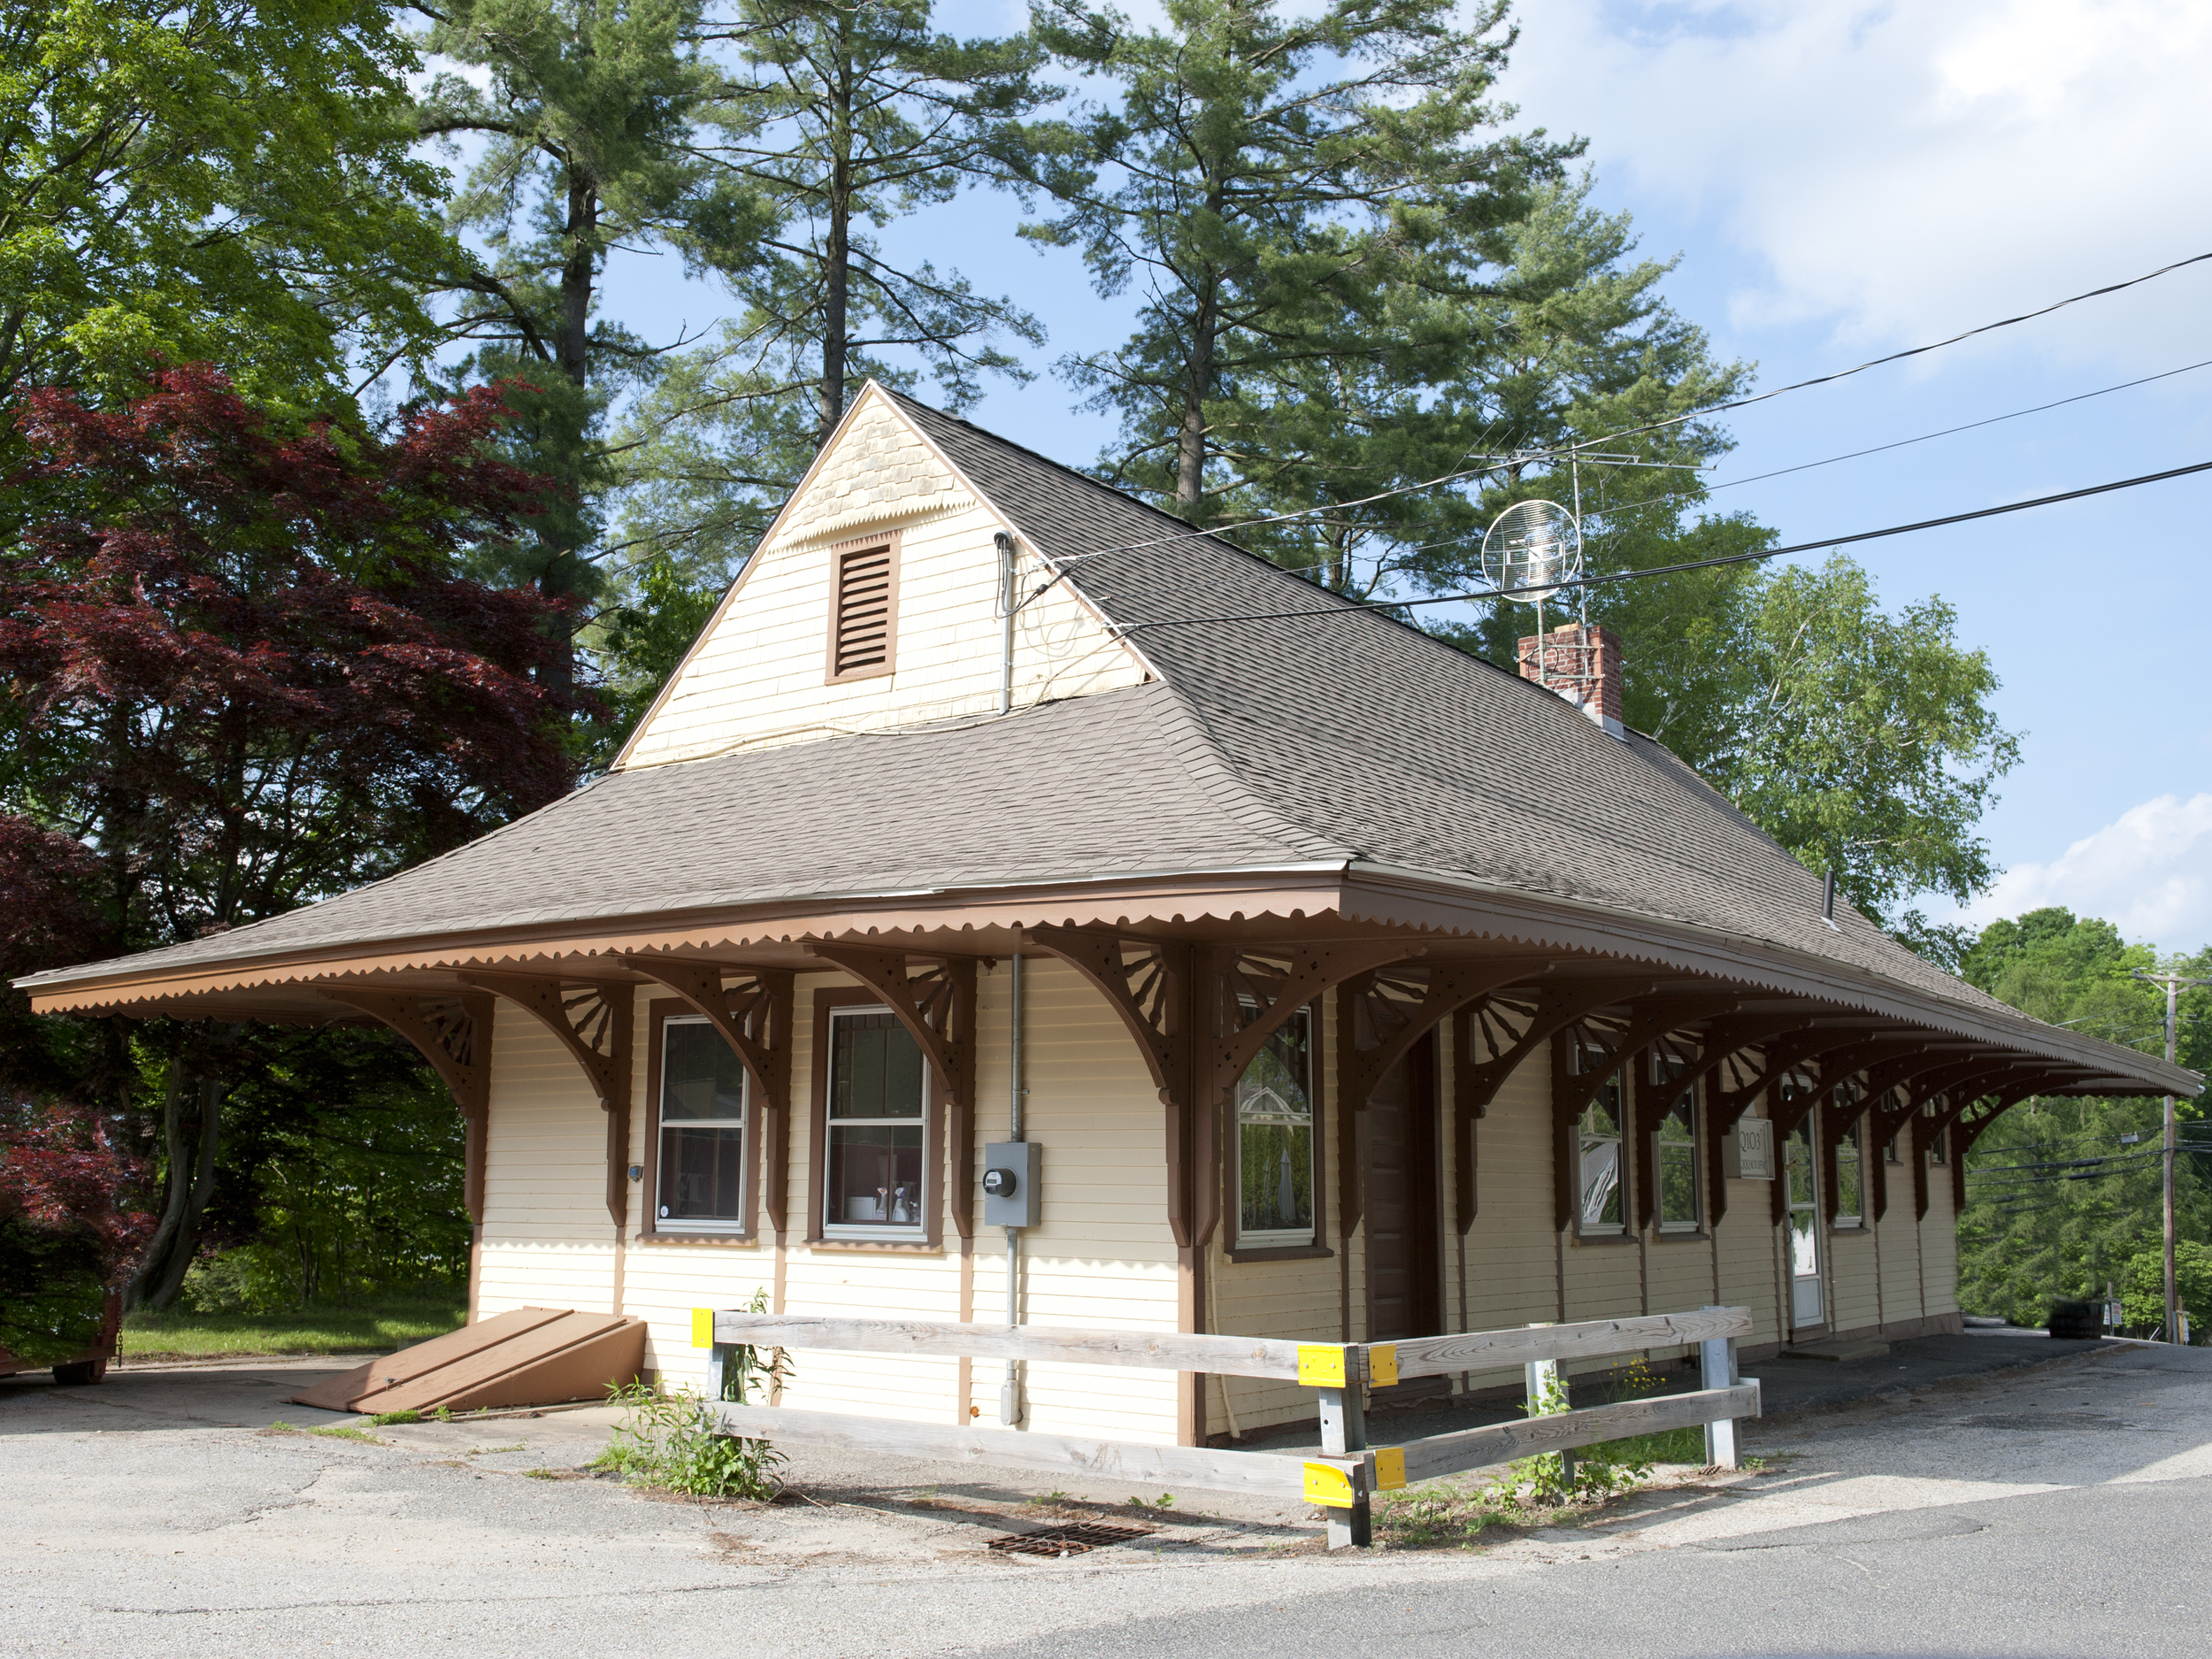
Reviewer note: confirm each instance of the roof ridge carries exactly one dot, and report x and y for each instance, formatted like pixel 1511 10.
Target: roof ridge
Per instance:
pixel 1260 561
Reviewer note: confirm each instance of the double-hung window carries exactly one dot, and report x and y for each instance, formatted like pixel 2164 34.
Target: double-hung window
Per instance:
pixel 699 1170
pixel 875 1174
pixel 1850 1177
pixel 1674 1149
pixel 1603 1206
pixel 1275 1144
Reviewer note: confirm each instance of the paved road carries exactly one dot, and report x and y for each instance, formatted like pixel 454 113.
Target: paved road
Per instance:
pixel 2061 1511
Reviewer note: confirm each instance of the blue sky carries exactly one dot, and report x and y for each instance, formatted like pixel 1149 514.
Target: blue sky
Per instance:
pixel 1840 180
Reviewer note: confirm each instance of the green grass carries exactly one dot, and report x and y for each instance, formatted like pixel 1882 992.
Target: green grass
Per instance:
pixel 1671 1446
pixel 179 1334
pixel 345 1431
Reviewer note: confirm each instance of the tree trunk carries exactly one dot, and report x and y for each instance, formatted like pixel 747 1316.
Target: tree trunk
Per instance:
pixel 562 576
pixel 157 1247
pixel 837 254
pixel 1190 437
pixel 162 1279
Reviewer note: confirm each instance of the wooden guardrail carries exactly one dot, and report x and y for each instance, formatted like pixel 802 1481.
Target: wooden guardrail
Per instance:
pixel 1345 1473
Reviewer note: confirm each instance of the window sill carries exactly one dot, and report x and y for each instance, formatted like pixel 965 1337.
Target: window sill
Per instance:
pixel 1622 1237
pixel 886 1246
pixel 1281 1253
pixel 1856 1230
pixel 666 1236
pixel 1681 1235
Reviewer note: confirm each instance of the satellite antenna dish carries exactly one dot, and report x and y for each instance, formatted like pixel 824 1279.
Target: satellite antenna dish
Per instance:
pixel 1529 551
pixel 1532 545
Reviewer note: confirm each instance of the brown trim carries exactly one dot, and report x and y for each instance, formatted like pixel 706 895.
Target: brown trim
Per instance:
pixel 658 1012
pixel 1374 898
pixel 887 543
pixel 878 1247
pixel 1233 1197
pixel 827 998
pixel 666 1240
pixel 1286 1253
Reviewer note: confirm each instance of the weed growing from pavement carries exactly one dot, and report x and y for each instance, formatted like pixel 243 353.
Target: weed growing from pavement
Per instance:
pixel 382 1418
pixel 666 1439
pixel 345 1431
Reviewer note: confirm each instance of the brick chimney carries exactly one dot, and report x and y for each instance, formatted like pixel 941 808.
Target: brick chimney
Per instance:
pixel 1583 665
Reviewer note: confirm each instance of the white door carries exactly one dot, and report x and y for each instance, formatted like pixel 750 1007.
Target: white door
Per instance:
pixel 1797 1163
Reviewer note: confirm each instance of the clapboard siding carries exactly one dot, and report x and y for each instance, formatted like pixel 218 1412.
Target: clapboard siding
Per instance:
pixel 757 675
pixel 1852 1280
pixel 1902 1295
pixel 1940 1247
pixel 548 1238
pixel 1746 1241
pixel 1100 1254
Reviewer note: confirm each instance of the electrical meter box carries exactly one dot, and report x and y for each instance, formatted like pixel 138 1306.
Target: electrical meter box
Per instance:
pixel 1010 1183
pixel 1748 1150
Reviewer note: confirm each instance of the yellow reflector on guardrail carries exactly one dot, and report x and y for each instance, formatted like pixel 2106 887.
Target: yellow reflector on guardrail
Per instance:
pixel 703 1327
pixel 1329 1485
pixel 1382 1364
pixel 1390 1467
pixel 1320 1365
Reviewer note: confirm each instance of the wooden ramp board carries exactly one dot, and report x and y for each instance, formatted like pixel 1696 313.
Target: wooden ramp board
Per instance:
pixel 531 1356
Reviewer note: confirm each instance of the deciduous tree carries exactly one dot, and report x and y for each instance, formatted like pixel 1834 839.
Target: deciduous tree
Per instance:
pixel 241 670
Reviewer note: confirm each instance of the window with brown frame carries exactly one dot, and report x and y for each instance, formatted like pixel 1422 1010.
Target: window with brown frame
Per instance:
pixel 1277 1152
pixel 863 610
pixel 1603 1204
pixel 699 1099
pixel 876 1132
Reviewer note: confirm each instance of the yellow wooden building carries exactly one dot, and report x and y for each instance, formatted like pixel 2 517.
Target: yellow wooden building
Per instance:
pixel 1349 988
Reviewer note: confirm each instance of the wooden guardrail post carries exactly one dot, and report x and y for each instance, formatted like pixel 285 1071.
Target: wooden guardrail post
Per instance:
pixel 1717 1363
pixel 1343 1478
pixel 1544 1387
pixel 717 1353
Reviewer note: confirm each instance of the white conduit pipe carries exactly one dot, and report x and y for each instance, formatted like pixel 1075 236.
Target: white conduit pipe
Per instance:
pixel 1010 1400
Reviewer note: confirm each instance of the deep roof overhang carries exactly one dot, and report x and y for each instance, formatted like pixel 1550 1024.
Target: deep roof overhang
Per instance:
pixel 1440 913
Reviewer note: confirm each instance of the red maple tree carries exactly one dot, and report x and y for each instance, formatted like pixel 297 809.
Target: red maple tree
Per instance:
pixel 240 669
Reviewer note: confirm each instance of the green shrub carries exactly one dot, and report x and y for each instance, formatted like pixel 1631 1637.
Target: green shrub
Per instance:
pixel 667 1439
pixel 2143 1294
pixel 246 1278
pixel 55 1304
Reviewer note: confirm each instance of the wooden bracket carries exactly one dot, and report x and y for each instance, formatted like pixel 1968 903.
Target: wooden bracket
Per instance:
pixel 1252 991
pixel 453 1032
pixel 754 1017
pixel 1778 1059
pixel 591 1019
pixel 1151 984
pixel 1380 1015
pixel 1572 1091
pixel 937 1007
pixel 1257 987
pixel 1489 1024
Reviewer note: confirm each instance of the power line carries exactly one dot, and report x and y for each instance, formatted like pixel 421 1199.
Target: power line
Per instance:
pixel 1899 357
pixel 1529 595
pixel 1879 449
pixel 1521 457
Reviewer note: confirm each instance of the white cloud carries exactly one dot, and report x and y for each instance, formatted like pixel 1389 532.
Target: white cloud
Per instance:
pixel 2149 873
pixel 1903 171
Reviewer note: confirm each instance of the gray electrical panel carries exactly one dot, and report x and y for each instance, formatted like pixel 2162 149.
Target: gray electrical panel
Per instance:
pixel 1010 1183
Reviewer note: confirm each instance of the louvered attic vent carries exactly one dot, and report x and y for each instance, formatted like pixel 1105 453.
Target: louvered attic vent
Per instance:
pixel 861 644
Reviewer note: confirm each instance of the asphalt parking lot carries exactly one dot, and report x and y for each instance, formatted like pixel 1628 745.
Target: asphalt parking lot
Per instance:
pixel 2054 1508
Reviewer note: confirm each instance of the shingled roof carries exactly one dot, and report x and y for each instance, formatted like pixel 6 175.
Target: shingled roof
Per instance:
pixel 1290 729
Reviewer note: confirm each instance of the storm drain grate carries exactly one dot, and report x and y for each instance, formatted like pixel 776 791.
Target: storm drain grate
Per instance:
pixel 1073 1540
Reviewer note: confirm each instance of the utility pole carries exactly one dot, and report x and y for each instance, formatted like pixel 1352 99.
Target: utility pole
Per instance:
pixel 2173 982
